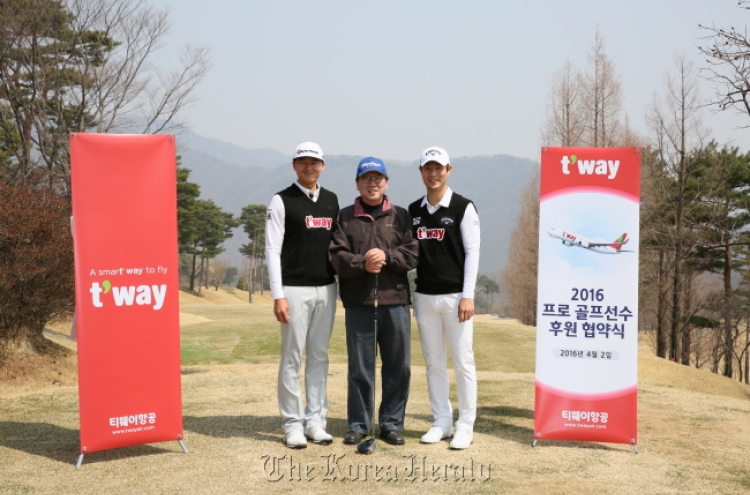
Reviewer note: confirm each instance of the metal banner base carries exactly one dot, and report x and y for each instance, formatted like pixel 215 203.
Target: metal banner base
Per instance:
pixel 635 447
pixel 184 448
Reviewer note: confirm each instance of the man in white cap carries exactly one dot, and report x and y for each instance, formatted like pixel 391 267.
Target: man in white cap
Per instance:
pixel 299 226
pixel 447 227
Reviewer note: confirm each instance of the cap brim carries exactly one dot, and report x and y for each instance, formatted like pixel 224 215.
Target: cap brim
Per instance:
pixel 432 160
pixel 367 171
pixel 309 155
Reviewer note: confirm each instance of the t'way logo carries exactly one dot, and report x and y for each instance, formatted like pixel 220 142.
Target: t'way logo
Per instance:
pixel 589 167
pixel 425 233
pixel 130 294
pixel 318 223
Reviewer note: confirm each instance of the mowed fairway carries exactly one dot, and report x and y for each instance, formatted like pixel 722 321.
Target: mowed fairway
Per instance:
pixel 694 427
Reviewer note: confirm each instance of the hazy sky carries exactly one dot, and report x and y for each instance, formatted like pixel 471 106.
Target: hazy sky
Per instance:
pixel 390 78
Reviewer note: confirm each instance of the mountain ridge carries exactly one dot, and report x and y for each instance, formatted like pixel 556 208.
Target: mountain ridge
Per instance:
pixel 494 183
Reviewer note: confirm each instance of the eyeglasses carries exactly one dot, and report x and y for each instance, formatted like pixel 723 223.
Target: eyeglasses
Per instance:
pixel 373 180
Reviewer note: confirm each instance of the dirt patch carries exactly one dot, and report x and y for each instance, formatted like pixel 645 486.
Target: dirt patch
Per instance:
pixel 190 298
pixel 189 319
pixel 62 326
pixel 24 370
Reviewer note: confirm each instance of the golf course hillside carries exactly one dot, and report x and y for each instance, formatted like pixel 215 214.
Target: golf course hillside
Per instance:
pixel 694 427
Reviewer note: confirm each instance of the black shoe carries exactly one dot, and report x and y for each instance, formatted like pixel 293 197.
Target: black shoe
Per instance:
pixel 353 437
pixel 392 437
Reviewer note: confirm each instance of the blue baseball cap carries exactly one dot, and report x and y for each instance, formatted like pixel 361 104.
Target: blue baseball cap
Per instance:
pixel 371 164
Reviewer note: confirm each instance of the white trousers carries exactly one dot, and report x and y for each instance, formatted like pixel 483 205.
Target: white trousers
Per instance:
pixel 437 319
pixel 311 311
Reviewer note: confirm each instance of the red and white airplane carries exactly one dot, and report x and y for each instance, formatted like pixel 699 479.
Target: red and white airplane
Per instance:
pixel 571 239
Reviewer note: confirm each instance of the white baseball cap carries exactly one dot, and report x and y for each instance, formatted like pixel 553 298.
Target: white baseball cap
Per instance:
pixel 310 149
pixel 434 154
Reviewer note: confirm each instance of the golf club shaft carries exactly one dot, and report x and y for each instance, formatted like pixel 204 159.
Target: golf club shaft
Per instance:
pixel 368 446
pixel 375 357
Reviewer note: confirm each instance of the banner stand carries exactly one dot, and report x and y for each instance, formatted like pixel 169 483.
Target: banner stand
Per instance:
pixel 124 199
pixel 586 375
pixel 534 442
pixel 182 445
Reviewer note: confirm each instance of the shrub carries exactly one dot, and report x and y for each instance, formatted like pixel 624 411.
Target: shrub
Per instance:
pixel 36 264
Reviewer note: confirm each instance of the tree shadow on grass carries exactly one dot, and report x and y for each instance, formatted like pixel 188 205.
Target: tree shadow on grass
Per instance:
pixel 495 421
pixel 501 422
pixel 62 444
pixel 268 428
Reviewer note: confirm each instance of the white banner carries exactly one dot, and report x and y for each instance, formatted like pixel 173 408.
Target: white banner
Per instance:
pixel 587 314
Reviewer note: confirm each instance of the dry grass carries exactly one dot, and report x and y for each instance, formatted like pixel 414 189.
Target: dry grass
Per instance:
pixel 693 430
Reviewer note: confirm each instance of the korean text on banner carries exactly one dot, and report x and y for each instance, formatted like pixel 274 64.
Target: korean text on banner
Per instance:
pixel 127 292
pixel 587 308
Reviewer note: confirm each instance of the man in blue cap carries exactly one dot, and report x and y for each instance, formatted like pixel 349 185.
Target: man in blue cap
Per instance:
pixel 374 243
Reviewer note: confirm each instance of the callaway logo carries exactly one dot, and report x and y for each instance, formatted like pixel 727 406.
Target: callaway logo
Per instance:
pixel 425 233
pixel 318 223
pixel 589 167
pixel 447 221
pixel 433 153
pixel 369 164
pixel 128 295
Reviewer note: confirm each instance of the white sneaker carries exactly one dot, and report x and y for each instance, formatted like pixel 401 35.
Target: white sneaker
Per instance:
pixel 318 434
pixel 462 440
pixel 295 440
pixel 435 434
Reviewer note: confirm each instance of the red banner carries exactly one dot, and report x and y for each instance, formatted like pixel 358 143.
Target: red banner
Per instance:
pixel 127 289
pixel 614 171
pixel 560 415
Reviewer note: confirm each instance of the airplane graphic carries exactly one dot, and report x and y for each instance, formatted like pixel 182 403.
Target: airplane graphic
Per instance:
pixel 571 239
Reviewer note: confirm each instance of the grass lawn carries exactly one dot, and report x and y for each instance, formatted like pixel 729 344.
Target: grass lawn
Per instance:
pixel 693 426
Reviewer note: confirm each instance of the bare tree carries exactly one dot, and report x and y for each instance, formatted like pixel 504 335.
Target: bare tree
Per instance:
pixel 519 278
pixel 676 131
pixel 217 270
pixel 84 65
pixel 655 256
pixel 585 109
pixel 603 98
pixel 127 92
pixel 727 52
pixel 565 122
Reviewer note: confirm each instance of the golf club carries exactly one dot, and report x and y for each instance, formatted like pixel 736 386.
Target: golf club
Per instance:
pixel 367 447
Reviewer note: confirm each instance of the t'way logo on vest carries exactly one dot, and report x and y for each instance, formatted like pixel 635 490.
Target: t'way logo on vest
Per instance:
pixel 318 223
pixel 425 233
